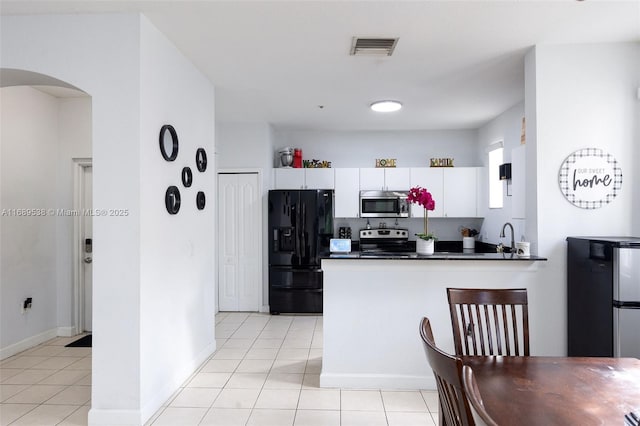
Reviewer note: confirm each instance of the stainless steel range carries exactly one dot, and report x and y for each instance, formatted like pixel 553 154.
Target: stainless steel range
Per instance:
pixel 384 240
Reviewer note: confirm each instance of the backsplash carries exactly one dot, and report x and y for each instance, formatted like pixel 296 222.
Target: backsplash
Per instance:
pixel 446 229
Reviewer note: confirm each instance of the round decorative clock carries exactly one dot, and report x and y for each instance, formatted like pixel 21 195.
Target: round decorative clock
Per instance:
pixel 201 159
pixel 200 200
pixel 168 142
pixel 590 178
pixel 172 199
pixel 187 177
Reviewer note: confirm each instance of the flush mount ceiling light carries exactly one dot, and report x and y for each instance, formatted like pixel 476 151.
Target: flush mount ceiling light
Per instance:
pixel 385 106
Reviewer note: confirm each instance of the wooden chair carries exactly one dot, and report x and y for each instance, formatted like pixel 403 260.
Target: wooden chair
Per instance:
pixel 447 369
pixel 489 321
pixel 478 412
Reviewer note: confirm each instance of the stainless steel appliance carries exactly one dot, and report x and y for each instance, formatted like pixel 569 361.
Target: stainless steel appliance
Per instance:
pixel 384 240
pixel 603 295
pixel 384 204
pixel 300 229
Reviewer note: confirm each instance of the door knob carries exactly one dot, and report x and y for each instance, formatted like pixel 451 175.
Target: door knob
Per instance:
pixel 88 259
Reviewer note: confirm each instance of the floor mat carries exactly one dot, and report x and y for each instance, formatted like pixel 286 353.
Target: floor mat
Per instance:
pixel 83 342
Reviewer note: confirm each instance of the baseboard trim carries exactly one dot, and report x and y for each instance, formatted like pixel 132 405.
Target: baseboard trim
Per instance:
pixel 174 382
pixel 108 417
pixel 377 381
pixel 66 331
pixel 28 343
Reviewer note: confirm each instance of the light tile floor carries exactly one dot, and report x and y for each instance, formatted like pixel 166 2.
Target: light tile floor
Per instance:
pixel 265 372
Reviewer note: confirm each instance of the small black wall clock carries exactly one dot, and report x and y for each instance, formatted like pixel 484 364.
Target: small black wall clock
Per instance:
pixel 168 142
pixel 172 199
pixel 201 159
pixel 200 200
pixel 187 177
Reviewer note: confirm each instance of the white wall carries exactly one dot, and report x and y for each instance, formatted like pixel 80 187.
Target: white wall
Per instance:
pixel 361 148
pixel 63 133
pixel 243 146
pixel 86 52
pixel 28 181
pixel 585 96
pixel 506 128
pixel 74 141
pixel 177 252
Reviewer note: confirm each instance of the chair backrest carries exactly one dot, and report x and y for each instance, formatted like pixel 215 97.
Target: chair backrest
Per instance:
pixel 478 412
pixel 489 321
pixel 447 370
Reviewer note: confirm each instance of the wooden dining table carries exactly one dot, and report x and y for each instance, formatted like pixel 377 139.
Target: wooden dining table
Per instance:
pixel 557 390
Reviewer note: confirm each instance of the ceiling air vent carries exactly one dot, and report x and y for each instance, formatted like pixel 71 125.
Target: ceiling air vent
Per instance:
pixel 373 46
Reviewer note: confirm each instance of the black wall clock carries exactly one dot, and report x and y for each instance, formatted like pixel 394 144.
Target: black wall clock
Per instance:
pixel 201 159
pixel 187 177
pixel 168 142
pixel 200 200
pixel 172 199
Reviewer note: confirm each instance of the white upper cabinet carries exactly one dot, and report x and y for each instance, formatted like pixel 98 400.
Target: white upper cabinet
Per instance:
pixel 454 189
pixel 397 179
pixel 289 178
pixel 460 191
pixel 347 194
pixel 432 179
pixel 371 179
pixel 384 179
pixel 319 179
pixel 292 178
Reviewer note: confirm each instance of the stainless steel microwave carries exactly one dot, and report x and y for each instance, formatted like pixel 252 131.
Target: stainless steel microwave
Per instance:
pixel 384 204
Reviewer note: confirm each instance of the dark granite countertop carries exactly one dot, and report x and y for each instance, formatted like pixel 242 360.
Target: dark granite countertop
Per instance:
pixel 445 250
pixel 435 256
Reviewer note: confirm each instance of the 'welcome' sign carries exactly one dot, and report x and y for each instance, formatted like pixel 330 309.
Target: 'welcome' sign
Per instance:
pixel 590 178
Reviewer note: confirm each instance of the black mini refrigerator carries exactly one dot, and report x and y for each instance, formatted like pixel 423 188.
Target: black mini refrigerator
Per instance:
pixel 603 296
pixel 300 228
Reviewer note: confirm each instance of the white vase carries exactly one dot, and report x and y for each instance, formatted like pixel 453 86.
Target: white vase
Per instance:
pixel 424 246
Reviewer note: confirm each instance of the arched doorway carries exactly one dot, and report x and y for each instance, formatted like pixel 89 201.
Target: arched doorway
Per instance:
pixel 46 126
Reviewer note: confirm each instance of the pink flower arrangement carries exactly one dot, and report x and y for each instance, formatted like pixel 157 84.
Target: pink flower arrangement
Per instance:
pixel 422 197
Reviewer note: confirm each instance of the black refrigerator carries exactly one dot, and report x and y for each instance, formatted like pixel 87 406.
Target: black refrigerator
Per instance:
pixel 300 228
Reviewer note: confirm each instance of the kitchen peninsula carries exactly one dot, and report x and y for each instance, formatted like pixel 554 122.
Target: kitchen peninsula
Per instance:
pixel 372 308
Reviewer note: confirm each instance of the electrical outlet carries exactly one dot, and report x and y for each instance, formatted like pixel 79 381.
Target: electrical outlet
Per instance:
pixel 26 304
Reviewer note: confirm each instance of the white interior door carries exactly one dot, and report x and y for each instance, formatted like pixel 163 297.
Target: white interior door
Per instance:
pixel 87 247
pixel 240 242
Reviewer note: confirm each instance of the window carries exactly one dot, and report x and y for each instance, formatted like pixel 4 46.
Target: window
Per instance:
pixel 496 158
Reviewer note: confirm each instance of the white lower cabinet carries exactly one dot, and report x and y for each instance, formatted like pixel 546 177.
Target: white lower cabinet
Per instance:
pixel 347 192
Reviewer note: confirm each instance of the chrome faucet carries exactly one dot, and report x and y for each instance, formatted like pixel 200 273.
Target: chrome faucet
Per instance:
pixel 513 243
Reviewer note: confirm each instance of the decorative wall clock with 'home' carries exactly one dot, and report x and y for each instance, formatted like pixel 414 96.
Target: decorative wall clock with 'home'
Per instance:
pixel 590 178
